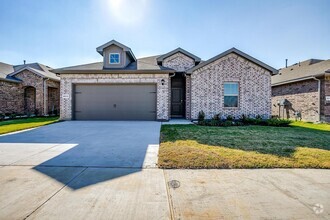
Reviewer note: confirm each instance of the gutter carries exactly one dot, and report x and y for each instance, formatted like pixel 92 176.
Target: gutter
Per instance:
pixel 10 80
pixel 297 80
pixel 58 71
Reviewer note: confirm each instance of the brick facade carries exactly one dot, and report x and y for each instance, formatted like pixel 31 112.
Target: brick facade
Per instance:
pixel 26 97
pixel 179 62
pixel 207 92
pixel 67 81
pixel 302 97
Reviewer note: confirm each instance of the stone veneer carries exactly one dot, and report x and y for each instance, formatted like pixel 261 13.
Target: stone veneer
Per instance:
pixel 207 92
pixel 12 94
pixel 179 62
pixel 68 80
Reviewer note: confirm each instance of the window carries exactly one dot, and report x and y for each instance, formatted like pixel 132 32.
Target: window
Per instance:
pixel 231 94
pixel 114 58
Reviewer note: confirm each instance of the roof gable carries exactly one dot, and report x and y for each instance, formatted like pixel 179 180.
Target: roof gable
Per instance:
pixel 161 58
pixel 114 42
pixel 36 68
pixel 238 52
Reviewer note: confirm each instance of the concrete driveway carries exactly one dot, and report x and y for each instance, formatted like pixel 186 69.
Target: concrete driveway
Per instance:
pixel 106 170
pixel 86 144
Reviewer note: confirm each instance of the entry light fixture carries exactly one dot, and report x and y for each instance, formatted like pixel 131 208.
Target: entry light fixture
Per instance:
pixel 163 81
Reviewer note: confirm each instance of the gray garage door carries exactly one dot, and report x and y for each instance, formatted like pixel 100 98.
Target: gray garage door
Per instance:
pixel 115 102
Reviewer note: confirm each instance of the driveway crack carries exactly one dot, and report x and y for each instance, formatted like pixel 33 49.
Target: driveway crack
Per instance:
pixel 169 198
pixel 73 178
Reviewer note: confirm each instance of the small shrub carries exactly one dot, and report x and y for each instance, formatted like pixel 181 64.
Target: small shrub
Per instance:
pixel 201 116
pixel 214 122
pixel 230 118
pixel 239 123
pixel 227 123
pixel 12 115
pixel 217 117
pixel 2 117
pixel 278 122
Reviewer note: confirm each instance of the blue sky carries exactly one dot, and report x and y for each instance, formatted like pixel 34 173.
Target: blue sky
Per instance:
pixel 66 32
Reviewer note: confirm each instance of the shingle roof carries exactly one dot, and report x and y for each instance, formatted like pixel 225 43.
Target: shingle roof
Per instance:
pixel 305 69
pixel 178 50
pixel 142 64
pixel 238 52
pixel 8 72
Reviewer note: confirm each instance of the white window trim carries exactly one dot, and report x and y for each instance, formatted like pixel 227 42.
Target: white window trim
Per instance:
pixel 238 93
pixel 114 54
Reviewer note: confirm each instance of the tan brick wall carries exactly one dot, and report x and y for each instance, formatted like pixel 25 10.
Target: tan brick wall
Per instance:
pixel 207 92
pixel 12 94
pixel 302 97
pixel 179 62
pixel 11 97
pixel 67 80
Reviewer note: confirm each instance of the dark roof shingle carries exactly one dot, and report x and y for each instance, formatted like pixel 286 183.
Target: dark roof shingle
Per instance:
pixel 305 69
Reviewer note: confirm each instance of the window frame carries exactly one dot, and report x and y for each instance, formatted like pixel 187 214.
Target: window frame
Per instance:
pixel 114 54
pixel 236 95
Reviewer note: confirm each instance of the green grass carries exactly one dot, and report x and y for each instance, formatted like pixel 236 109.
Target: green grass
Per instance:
pixel 21 124
pixel 303 145
pixel 321 127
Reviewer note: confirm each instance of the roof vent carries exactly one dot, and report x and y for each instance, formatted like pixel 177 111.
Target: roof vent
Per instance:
pixel 24 61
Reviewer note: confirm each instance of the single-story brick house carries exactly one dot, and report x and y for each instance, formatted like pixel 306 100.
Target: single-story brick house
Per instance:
pixel 303 91
pixel 29 89
pixel 171 85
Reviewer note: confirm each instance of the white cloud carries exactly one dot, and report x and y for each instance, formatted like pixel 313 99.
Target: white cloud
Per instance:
pixel 128 12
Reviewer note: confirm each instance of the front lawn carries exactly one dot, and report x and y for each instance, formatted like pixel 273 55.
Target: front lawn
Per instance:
pixel 303 145
pixel 21 124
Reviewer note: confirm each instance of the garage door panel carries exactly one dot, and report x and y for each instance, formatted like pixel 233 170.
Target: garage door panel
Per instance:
pixel 115 102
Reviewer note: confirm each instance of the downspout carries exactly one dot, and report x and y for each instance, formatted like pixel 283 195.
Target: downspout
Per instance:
pixel 319 96
pixel 45 102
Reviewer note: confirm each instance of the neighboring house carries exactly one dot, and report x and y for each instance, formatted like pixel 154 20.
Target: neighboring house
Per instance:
pixel 28 89
pixel 303 91
pixel 173 85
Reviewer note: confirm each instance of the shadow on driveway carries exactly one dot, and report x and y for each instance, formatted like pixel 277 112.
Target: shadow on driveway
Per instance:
pixel 108 144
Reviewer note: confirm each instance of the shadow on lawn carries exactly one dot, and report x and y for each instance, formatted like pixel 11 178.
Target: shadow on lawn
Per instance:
pixel 279 141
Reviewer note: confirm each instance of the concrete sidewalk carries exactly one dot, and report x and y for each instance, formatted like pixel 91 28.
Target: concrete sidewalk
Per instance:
pixel 121 193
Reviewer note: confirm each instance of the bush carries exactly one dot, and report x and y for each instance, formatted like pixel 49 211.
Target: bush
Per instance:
pixel 278 122
pixel 12 115
pixel 201 116
pixel 2 117
pixel 243 120
pixel 217 117
pixel 230 118
pixel 228 123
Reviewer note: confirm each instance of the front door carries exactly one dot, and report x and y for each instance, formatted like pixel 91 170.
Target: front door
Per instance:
pixel 177 109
